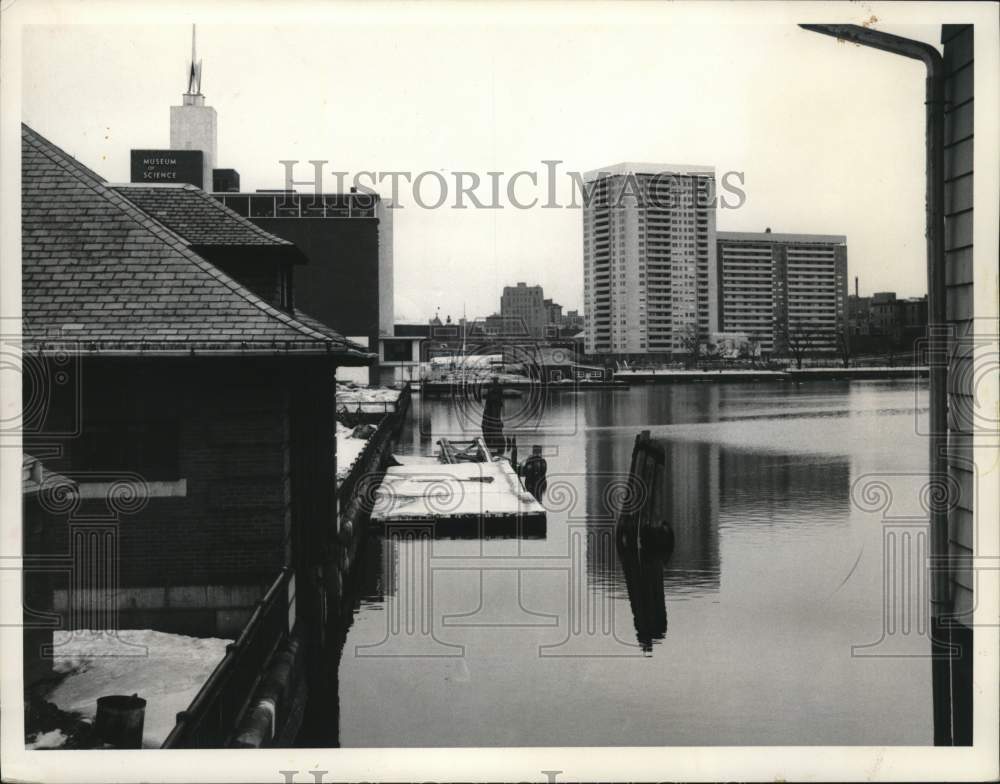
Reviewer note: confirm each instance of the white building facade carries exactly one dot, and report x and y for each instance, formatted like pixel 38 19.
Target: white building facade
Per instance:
pixel 193 125
pixel 649 258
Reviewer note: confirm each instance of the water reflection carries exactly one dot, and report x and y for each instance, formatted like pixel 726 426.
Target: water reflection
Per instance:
pixel 706 486
pixel 646 593
pixel 774 576
pixel 687 498
pixel 798 490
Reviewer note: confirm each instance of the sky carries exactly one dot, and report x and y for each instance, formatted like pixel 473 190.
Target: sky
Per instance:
pixel 828 137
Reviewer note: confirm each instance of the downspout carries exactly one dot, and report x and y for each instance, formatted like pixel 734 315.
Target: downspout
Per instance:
pixel 936 302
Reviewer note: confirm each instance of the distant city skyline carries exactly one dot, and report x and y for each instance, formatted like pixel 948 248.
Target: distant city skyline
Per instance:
pixel 827 136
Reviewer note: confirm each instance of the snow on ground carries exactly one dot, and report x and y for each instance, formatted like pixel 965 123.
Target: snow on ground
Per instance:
pixel 348 450
pixel 166 670
pixel 46 740
pixel 351 394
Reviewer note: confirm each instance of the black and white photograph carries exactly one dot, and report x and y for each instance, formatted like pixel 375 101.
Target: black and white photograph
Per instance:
pixel 500 391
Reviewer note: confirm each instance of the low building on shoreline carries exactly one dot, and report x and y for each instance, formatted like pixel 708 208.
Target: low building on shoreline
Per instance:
pixel 195 414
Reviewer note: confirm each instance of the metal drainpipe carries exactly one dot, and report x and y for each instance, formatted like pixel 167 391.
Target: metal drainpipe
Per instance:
pixel 937 337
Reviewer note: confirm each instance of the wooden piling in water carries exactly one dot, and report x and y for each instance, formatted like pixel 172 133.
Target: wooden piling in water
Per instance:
pixel 637 514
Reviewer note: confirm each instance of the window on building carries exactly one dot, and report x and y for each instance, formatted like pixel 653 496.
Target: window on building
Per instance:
pixel 262 206
pixel 397 351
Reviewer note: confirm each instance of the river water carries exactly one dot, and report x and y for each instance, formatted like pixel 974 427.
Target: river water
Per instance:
pixel 796 510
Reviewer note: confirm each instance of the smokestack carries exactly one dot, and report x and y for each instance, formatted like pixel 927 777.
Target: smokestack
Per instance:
pixel 856 286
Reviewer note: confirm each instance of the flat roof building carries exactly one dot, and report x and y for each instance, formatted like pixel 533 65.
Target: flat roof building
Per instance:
pixel 346 238
pixel 785 291
pixel 526 304
pixel 649 258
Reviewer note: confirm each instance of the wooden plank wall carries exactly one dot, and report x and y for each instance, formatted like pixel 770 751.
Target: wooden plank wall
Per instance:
pixel 958 172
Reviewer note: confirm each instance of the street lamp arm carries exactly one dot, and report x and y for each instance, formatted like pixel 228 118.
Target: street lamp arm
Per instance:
pixel 876 39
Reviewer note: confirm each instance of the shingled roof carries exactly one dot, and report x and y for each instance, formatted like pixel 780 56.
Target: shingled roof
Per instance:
pixel 204 221
pixel 101 276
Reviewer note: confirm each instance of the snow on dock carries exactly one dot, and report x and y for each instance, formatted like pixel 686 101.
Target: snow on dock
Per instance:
pixel 457 497
pixel 368 399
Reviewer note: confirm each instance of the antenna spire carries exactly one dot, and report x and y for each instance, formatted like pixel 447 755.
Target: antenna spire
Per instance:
pixel 194 73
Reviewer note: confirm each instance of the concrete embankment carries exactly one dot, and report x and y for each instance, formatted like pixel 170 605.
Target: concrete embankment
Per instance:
pixel 744 376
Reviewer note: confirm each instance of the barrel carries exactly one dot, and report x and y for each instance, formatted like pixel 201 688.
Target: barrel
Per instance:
pixel 120 719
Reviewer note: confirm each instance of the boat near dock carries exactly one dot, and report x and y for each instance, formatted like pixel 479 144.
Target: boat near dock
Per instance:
pixel 463 491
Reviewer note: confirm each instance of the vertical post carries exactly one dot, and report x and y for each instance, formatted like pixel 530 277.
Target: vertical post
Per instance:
pixel 937 337
pixel 312 423
pixel 943 698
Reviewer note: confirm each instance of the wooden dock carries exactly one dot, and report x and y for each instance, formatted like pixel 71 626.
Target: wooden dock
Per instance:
pixel 458 500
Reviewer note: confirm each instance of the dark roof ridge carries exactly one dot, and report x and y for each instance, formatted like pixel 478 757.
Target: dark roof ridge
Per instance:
pixel 216 204
pixel 43 144
pixel 178 243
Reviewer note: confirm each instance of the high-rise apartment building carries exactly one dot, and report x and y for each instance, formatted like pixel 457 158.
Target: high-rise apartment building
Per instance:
pixel 783 290
pixel 649 258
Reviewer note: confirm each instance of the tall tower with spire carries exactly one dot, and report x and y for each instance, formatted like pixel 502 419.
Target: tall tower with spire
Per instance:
pixel 193 125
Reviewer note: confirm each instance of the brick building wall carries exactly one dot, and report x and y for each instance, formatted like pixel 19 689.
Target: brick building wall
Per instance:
pixel 216 529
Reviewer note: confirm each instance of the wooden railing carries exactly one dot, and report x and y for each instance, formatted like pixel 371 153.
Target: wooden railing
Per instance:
pixel 214 713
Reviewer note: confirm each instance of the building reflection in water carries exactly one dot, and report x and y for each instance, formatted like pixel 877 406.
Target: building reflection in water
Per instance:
pixel 687 498
pixel 774 489
pixel 689 502
pixel 708 489
pixel 702 482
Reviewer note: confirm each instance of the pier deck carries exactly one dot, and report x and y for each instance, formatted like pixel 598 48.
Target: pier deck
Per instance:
pixel 459 499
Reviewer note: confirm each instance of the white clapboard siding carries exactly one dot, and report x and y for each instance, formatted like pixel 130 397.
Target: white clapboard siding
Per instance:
pixel 959 91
